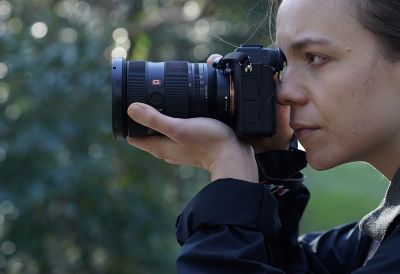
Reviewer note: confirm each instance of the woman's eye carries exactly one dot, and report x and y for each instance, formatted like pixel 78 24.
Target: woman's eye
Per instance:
pixel 315 59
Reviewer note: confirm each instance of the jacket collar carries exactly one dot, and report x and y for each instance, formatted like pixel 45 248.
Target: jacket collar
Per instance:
pixel 377 222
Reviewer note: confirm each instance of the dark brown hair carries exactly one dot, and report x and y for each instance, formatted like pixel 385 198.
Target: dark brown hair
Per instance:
pixel 382 18
pixel 277 4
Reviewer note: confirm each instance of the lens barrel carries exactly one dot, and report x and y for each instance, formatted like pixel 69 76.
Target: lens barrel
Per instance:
pixel 175 88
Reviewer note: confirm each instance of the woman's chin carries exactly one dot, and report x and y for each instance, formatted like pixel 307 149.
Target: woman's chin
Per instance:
pixel 319 162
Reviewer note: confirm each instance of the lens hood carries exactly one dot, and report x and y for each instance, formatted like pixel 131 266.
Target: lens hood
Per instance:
pixel 118 98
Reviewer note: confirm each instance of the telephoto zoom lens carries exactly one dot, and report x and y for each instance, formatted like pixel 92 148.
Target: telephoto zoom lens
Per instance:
pixel 176 88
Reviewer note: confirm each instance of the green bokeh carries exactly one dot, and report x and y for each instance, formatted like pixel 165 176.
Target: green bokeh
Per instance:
pixel 341 195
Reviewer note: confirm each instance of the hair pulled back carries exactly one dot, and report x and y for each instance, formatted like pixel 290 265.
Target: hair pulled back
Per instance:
pixel 382 18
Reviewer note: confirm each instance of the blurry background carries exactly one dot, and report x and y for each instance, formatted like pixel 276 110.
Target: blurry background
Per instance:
pixel 71 199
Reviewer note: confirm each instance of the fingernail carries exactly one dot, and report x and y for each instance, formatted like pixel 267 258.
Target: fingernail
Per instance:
pixel 135 111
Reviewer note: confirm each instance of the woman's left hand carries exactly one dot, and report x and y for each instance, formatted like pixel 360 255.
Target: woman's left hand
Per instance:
pixel 201 142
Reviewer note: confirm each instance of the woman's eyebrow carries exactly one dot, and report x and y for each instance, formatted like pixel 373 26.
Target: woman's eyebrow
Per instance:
pixel 305 42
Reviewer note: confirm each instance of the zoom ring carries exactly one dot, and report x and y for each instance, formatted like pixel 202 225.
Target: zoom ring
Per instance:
pixel 136 82
pixel 195 107
pixel 136 89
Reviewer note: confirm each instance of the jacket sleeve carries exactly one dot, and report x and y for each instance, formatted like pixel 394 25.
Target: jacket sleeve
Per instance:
pixel 223 229
pixel 233 226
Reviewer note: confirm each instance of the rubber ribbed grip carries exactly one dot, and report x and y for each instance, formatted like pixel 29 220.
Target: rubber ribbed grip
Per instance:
pixel 136 89
pixel 177 89
pixel 195 105
pixel 136 82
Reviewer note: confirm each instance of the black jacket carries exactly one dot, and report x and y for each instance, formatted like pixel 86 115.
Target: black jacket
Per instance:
pixel 234 226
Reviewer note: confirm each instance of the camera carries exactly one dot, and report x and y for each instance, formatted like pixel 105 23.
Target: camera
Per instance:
pixel 239 90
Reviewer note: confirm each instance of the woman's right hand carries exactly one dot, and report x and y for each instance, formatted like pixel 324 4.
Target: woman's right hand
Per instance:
pixel 202 142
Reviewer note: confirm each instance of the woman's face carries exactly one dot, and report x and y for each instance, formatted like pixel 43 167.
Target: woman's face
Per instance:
pixel 344 96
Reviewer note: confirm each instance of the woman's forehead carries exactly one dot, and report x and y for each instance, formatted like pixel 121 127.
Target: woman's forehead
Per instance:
pixel 324 18
pixel 317 6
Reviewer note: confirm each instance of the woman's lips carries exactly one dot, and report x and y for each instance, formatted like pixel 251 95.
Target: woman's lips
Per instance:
pixel 302 131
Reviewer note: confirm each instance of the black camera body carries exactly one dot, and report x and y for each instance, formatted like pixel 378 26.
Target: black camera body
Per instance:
pixel 239 89
pixel 253 70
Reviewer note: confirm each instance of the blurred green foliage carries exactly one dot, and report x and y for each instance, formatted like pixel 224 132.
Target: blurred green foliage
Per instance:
pixel 342 195
pixel 71 199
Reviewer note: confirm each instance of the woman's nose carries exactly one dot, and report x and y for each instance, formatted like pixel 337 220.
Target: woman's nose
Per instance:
pixel 291 91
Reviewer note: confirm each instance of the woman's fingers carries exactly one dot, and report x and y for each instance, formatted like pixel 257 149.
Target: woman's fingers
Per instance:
pixel 168 150
pixel 155 145
pixel 150 117
pixel 179 130
pixel 213 58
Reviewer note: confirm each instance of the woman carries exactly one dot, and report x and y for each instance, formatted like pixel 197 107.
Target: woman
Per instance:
pixel 340 96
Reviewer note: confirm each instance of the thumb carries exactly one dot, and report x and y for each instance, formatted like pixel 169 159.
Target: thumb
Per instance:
pixel 152 118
